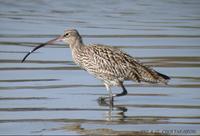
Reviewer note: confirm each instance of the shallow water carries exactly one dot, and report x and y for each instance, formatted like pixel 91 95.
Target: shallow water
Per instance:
pixel 49 94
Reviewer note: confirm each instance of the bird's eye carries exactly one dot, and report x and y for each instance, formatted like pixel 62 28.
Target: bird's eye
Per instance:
pixel 65 35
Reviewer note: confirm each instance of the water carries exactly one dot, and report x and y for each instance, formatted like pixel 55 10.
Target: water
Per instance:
pixel 49 94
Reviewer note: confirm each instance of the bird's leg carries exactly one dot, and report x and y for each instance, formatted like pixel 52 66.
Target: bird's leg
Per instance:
pixel 124 92
pixel 110 93
pixel 110 97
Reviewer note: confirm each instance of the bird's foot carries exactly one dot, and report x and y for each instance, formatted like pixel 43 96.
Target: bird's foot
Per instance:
pixel 106 100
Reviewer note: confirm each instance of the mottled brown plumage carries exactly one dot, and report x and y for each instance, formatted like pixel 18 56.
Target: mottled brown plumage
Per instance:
pixel 109 64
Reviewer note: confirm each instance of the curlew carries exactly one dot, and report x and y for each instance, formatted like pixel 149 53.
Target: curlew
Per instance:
pixel 111 65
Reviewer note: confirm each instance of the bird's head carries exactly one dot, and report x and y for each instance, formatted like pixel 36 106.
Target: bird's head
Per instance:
pixel 70 37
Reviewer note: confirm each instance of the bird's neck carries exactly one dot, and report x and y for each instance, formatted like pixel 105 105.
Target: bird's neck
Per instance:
pixel 77 44
pixel 78 50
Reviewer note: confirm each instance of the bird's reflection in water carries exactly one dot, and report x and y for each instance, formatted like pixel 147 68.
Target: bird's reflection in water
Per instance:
pixel 115 112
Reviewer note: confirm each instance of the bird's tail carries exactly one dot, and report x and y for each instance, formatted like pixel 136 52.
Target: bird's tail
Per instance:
pixel 163 76
pixel 147 74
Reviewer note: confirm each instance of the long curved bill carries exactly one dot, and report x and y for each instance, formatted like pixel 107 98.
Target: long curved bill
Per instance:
pixel 59 38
